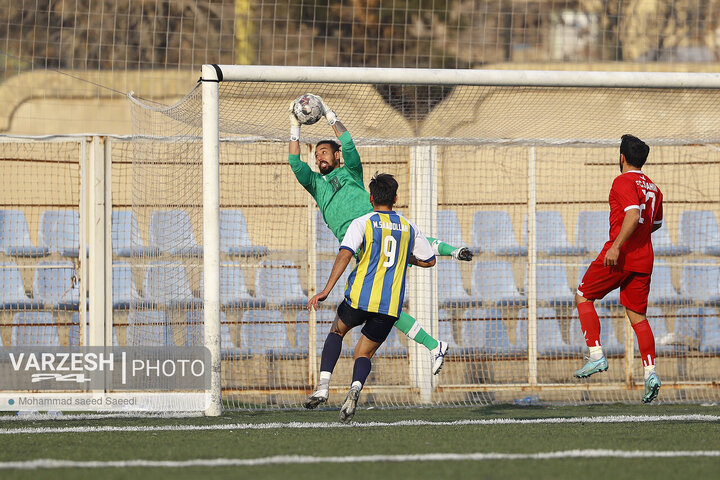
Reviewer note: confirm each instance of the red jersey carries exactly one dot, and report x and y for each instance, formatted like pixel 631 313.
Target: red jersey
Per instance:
pixel 634 190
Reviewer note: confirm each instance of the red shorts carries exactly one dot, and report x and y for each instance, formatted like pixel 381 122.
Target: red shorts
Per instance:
pixel 599 280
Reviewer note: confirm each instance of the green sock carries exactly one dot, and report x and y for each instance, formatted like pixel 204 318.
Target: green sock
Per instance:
pixel 410 327
pixel 441 248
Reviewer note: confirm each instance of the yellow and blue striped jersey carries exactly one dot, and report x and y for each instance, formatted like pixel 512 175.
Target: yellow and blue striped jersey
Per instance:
pixel 383 241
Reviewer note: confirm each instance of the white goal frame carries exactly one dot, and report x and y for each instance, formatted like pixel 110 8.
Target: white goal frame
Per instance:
pixel 213 74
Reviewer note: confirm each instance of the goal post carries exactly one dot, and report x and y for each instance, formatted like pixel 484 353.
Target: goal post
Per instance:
pixel 509 163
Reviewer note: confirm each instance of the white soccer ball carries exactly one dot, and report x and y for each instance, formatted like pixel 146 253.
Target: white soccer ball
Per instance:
pixel 308 109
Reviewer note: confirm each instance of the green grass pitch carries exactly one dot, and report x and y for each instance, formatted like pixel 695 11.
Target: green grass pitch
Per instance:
pixel 385 439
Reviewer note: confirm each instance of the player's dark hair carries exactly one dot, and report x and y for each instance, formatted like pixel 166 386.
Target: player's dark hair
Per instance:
pixel 334 146
pixel 634 149
pixel 383 188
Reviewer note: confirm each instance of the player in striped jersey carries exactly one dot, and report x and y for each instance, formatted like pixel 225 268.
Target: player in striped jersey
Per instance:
pixel 385 243
pixel 341 196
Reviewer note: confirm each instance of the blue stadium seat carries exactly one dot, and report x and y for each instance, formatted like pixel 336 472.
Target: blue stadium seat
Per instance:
pixel 60 232
pixel 699 231
pixel 324 320
pixel 549 336
pixel 611 299
pixel 710 337
pixel 609 341
pixel 701 283
pixel 664 246
pixel 662 291
pixel 126 239
pixel 263 332
pixel 277 282
pixel 55 285
pixel 484 333
pixel 74 332
pixel 167 283
pixel 593 230
pixel 551 236
pixel 234 236
pixel 493 232
pixel 688 326
pixel 171 232
pixel 15 236
pixel 233 289
pixel 448 228
pixel 124 292
pixel 445 330
pixel 322 273
pixel 326 243
pixel 149 329
pixel 195 333
pixel 12 289
pixel 493 283
pixel 34 329
pixel 450 285
pixel 552 285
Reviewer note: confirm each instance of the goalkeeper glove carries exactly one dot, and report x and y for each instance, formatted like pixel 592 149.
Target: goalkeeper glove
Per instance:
pixel 294 124
pixel 327 111
pixel 463 254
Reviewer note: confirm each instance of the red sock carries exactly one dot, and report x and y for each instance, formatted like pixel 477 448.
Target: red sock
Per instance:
pixel 590 323
pixel 646 342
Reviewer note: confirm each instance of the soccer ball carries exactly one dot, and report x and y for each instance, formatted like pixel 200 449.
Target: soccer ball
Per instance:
pixel 308 109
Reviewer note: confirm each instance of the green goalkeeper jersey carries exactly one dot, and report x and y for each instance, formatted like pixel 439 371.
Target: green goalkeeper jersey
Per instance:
pixel 341 194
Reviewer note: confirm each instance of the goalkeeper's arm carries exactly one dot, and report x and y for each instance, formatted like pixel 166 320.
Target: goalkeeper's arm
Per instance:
pixel 294 148
pixel 332 119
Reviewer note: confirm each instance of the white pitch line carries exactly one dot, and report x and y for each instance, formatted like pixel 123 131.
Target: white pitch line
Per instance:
pixel 403 423
pixel 305 459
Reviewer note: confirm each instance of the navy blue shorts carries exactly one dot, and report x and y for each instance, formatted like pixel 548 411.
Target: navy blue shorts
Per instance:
pixel 377 325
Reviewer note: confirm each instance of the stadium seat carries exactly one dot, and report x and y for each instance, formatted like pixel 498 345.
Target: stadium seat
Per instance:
pixel 701 283
pixel 277 282
pixel 493 232
pixel 664 246
pixel 324 320
pixel 552 285
pixel 710 336
pixel 326 243
pixel 484 333
pixel 593 230
pixel 263 332
pixel 167 284
pixel 493 283
pixel 195 333
pixel 662 291
pixel 322 273
pixel 448 228
pixel 171 232
pixel 688 326
pixel 12 289
pixel 60 232
pixel 234 236
pixel 55 285
pixel 74 332
pixel 15 236
pixel 450 285
pixel 149 329
pixel 608 339
pixel 233 289
pixel 549 337
pixel 551 236
pixel 124 293
pixel 612 299
pixel 445 330
pixel 699 232
pixel 126 239
pixel 34 329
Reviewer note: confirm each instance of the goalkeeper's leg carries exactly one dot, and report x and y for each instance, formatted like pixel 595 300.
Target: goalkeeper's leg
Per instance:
pixel 410 327
pixel 443 249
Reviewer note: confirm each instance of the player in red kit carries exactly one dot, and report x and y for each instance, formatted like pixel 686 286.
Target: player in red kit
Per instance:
pixel 626 261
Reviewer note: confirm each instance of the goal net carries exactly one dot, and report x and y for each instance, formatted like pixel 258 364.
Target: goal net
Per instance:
pixel 516 165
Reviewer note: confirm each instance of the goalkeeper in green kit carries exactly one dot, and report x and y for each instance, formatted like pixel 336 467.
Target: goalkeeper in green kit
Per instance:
pixel 341 196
